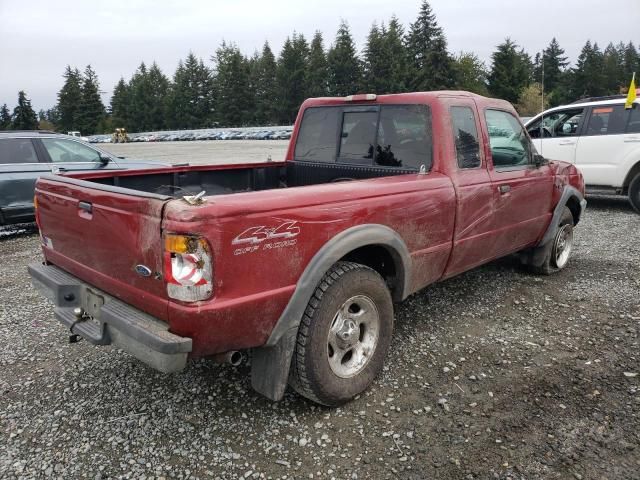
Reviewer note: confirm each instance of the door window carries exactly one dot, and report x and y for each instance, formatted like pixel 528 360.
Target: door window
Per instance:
pixel 634 120
pixel 463 122
pixel 404 136
pixel 17 150
pixel 510 145
pixel 62 151
pixel 606 120
pixel 563 123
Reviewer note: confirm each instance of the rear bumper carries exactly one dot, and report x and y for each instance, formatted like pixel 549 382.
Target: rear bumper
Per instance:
pixel 109 321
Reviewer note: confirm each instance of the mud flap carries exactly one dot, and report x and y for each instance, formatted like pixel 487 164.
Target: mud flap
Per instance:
pixel 270 366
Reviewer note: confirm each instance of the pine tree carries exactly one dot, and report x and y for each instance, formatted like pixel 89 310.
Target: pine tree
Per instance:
pixel 589 78
pixel 120 104
pixel 613 70
pixel 316 75
pixel 5 117
pixel 69 99
pixel 146 99
pixel 91 109
pixel 190 101
pixel 510 72
pixel 555 62
pixel 343 65
pixel 139 105
pixel 159 89
pixel 630 63
pixel 395 50
pixel 233 100
pixel 471 73
pixel 291 77
pixel 265 88
pixel 24 117
pixel 430 65
pixel 375 66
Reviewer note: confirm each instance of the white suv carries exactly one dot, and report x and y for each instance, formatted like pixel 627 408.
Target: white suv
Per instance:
pixel 600 137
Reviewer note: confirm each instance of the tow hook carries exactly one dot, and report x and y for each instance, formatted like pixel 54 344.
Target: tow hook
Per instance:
pixel 80 317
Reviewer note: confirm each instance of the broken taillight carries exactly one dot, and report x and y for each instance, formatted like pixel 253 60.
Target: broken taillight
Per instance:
pixel 187 267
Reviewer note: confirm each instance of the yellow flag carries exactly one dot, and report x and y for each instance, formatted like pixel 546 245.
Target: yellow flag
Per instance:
pixel 631 96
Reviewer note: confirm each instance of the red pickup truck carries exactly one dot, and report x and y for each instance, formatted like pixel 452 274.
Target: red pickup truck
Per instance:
pixel 300 261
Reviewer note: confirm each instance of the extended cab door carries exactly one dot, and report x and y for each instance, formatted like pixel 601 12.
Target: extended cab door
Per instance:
pixel 602 147
pixel 555 134
pixel 19 170
pixel 522 190
pixel 473 233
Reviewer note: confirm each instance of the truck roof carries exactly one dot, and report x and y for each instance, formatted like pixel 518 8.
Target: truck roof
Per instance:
pixel 397 98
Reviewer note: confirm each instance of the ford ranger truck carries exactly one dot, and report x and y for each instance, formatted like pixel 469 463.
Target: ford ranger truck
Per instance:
pixel 301 261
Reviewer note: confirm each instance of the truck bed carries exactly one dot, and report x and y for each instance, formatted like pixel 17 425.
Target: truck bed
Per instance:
pixel 226 179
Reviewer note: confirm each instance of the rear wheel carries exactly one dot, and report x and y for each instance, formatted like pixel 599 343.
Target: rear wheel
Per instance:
pixel 634 193
pixel 559 252
pixel 344 335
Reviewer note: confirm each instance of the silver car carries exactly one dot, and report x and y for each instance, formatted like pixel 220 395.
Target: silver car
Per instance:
pixel 25 155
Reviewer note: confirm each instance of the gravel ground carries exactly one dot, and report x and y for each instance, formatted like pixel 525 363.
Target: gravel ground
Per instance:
pixel 202 152
pixel 493 374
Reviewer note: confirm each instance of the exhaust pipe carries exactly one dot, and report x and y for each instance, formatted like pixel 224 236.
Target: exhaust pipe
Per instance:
pixel 233 357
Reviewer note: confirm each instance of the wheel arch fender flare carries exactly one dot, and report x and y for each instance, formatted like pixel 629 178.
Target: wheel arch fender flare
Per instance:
pixel 569 194
pixel 331 252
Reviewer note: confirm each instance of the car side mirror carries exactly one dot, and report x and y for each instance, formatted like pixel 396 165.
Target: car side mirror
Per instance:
pixel 539 160
pixel 104 159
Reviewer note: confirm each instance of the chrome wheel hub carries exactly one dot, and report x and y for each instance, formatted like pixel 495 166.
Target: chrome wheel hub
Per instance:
pixel 563 245
pixel 353 336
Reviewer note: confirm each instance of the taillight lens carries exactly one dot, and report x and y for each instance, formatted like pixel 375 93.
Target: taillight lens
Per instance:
pixel 187 267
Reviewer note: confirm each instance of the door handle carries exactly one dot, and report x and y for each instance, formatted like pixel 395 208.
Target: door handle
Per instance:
pixel 503 189
pixel 86 206
pixel 631 139
pixel 567 142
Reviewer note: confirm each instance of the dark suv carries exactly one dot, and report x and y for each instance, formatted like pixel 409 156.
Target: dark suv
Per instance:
pixel 25 155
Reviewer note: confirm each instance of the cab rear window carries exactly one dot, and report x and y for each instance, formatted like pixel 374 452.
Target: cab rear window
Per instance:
pixel 388 135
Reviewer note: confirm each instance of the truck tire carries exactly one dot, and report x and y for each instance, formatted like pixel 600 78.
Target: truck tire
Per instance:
pixel 634 193
pixel 344 335
pixel 559 252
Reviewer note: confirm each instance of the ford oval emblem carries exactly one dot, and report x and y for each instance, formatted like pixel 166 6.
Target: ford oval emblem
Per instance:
pixel 143 270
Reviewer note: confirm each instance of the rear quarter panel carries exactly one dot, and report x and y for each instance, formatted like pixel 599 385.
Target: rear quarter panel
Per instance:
pixel 255 276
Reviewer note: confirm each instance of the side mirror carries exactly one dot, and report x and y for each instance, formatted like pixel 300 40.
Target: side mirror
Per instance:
pixel 104 159
pixel 539 160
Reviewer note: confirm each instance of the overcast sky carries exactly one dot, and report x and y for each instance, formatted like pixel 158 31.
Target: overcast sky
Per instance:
pixel 38 38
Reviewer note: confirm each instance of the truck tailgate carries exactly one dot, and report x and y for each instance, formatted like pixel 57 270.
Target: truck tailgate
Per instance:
pixel 107 236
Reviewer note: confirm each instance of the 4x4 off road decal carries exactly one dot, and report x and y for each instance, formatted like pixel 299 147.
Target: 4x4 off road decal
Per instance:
pixel 262 238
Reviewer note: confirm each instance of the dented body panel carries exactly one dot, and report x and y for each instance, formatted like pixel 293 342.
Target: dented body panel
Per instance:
pixel 267 238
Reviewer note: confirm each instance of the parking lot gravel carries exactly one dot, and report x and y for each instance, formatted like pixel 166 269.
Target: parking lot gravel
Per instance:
pixel 496 373
pixel 202 152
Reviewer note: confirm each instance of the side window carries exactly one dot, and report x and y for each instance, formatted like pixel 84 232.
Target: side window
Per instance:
pixel 358 137
pixel 17 150
pixel 463 122
pixel 634 120
pixel 404 136
pixel 61 151
pixel 509 143
pixel 606 120
pixel 563 123
pixel 316 140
